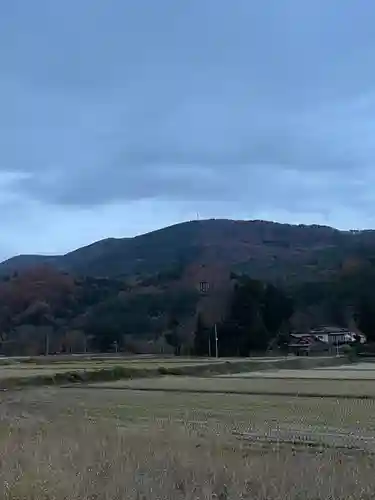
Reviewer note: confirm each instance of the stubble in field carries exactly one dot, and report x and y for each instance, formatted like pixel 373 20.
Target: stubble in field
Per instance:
pixel 57 444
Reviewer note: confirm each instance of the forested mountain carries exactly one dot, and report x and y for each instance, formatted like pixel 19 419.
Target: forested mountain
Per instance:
pixel 265 250
pixel 165 290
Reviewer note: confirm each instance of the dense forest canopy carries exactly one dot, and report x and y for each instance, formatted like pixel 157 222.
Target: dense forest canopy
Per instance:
pixel 77 314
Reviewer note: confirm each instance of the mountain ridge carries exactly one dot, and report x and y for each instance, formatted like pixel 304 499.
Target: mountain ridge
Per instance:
pixel 264 249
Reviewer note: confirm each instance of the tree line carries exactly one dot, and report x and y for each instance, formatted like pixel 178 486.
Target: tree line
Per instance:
pixel 47 311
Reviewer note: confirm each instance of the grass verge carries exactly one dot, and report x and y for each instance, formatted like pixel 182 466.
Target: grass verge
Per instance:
pixel 123 372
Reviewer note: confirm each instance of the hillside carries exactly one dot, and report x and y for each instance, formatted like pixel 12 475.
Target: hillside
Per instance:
pixel 25 262
pixel 144 295
pixel 265 250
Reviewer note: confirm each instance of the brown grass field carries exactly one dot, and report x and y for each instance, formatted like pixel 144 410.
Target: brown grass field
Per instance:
pixel 42 364
pixel 355 388
pixel 100 443
pixel 27 370
pixel 107 444
pixel 47 370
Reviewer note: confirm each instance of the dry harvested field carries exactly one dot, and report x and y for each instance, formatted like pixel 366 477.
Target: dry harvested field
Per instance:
pixel 192 438
pixel 82 444
pixel 74 362
pixel 29 368
pixel 276 384
pixel 345 372
pixel 33 371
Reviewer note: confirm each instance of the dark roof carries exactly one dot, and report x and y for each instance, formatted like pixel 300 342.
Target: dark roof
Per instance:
pixel 300 335
pixel 304 340
pixel 330 329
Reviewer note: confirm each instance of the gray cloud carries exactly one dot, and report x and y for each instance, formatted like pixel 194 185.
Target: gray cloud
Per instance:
pixel 252 106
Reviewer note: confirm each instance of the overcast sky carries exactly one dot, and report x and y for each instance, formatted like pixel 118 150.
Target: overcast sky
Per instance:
pixel 122 116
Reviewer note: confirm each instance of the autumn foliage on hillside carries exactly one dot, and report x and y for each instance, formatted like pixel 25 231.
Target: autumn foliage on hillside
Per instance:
pixel 26 289
pixel 44 309
pixel 161 288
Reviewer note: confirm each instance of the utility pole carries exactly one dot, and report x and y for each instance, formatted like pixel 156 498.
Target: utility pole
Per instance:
pixel 216 339
pixel 47 343
pixel 209 343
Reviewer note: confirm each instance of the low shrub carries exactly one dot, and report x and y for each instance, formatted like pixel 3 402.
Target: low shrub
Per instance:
pixel 350 352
